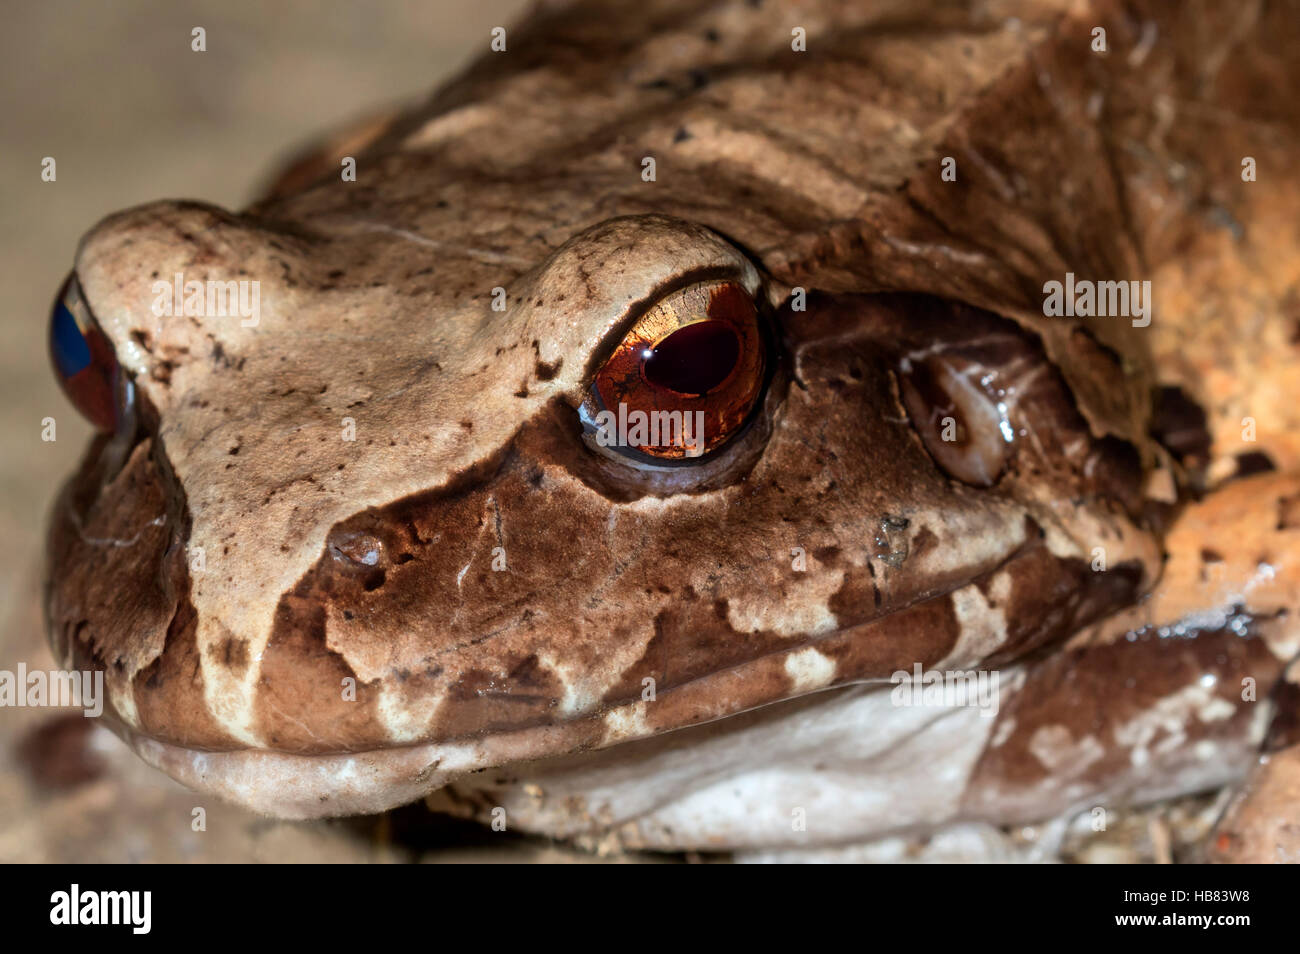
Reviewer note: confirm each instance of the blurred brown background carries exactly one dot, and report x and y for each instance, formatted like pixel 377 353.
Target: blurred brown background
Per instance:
pixel 114 93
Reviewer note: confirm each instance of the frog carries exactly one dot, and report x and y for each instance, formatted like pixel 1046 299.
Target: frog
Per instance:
pixel 609 438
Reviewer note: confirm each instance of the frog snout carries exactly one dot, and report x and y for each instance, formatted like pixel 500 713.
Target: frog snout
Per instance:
pixel 153 289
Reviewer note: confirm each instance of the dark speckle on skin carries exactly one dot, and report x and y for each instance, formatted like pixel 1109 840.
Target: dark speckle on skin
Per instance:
pixel 922 541
pixel 219 357
pixel 233 653
pixel 545 371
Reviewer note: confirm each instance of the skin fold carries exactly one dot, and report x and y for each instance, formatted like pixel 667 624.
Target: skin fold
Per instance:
pixel 416 576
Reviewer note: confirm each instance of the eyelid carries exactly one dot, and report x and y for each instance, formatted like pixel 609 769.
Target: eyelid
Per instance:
pixel 635 311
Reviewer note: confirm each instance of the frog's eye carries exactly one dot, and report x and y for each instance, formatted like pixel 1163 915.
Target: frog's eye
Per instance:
pixel 84 361
pixel 956 407
pixel 683 380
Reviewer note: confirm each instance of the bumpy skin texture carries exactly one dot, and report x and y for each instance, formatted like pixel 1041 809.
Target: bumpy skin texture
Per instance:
pixel 1172 695
pixel 328 559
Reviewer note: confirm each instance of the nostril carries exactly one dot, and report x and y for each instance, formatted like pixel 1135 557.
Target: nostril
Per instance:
pixel 84 360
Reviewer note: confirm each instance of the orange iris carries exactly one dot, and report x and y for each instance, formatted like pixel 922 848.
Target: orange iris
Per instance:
pixel 684 379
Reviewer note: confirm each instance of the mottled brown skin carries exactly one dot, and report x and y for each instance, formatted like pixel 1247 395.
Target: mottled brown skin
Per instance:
pixel 372 559
pixel 1212 639
pixel 1170 696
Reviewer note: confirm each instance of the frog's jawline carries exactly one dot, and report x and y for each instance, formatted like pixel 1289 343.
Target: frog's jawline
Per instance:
pixel 294 785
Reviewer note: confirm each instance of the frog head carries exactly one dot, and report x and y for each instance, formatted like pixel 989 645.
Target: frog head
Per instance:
pixel 626 386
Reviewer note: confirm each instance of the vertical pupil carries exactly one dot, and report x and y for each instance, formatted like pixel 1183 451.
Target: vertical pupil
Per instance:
pixel 694 359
